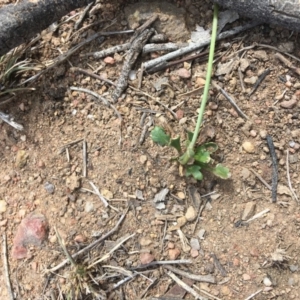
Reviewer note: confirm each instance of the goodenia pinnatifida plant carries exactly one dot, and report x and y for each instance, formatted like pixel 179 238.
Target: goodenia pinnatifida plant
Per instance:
pixel 196 158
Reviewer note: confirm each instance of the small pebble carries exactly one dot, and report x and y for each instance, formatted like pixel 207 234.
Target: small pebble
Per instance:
pixel 80 238
pixel 288 104
pixel 49 187
pixel 246 277
pixel 109 60
pixel 251 80
pixel 191 214
pixel 183 73
pixel 174 253
pixel 146 258
pixel 248 147
pixel 181 195
pixel 194 253
pixel 267 281
pixel 2 206
pixel 89 207
pixel 253 133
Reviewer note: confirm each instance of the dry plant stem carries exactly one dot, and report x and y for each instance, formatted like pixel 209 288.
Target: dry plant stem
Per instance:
pixel 287 63
pixel 107 255
pixel 8 119
pixel 140 77
pixel 5 267
pixel 258 215
pixel 121 282
pixel 131 57
pixel 161 47
pixel 63 246
pixel 150 64
pixel 105 203
pixel 201 278
pixel 82 16
pixel 86 72
pixel 241 79
pixel 84 159
pixel 261 179
pixel 260 80
pixel 218 265
pixel 147 288
pixel 99 97
pixel 90 246
pixel 206 293
pixel 274 168
pixel 231 101
pixel 253 295
pixel 109 51
pixel 163 262
pixel 143 27
pixel 199 214
pixel 185 286
pixel 289 178
pixel 63 148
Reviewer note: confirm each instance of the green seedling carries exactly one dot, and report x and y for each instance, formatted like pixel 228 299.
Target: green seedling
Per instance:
pixel 196 158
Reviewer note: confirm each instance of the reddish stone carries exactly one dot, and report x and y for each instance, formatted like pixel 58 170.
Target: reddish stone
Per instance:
pixel 33 230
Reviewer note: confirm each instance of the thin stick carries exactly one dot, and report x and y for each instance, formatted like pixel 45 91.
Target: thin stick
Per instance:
pixel 274 168
pixel 206 293
pixel 202 278
pixel 98 194
pixel 99 97
pixel 83 14
pixel 90 246
pixel 75 69
pixel 132 55
pixel 63 148
pixel 261 179
pixel 231 101
pixel 6 269
pixel 161 47
pixel 108 51
pixel 9 120
pixel 218 265
pixel 185 286
pixel 163 262
pixel 258 215
pixel 253 295
pixel 287 63
pixel 84 159
pixel 259 81
pixel 289 178
pixel 143 27
pixel 150 64
pixel 107 255
pixel 241 79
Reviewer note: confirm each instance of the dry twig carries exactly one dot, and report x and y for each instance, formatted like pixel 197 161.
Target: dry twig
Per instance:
pixel 274 168
pixel 289 178
pixel 132 55
pixel 90 246
pixel 201 278
pixel 185 286
pixel 5 266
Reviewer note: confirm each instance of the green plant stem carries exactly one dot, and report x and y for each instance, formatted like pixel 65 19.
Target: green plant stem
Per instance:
pixel 190 150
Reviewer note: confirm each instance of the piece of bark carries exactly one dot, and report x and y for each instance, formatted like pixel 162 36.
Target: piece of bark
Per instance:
pixel 33 230
pixel 22 21
pixel 278 12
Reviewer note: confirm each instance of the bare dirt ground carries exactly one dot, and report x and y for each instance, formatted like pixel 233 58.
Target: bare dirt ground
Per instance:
pixel 258 256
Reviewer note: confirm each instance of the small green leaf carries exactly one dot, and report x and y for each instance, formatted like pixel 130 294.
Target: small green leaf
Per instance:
pixel 210 147
pixel 202 156
pixel 194 170
pixel 159 136
pixel 187 156
pixel 221 171
pixel 176 144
